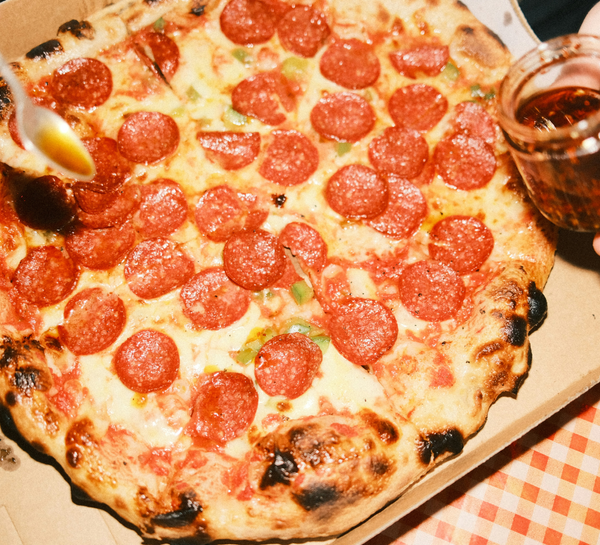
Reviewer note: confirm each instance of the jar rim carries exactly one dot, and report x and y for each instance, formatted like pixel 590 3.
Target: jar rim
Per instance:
pixel 535 61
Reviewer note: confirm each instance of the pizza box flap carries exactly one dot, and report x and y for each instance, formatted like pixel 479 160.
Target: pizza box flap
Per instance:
pixel 37 504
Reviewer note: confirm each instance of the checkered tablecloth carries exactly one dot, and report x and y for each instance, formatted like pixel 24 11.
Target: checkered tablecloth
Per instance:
pixel 544 488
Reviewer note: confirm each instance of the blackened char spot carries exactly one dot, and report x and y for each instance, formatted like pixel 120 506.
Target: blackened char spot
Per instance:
pixel 515 330
pixel 538 307
pixel 45 50
pixel 379 465
pixel 26 379
pixel 79 29
pixel 281 471
pixel 5 99
pixel 438 443
pixel 186 514
pixel 10 399
pixel 198 10
pixel 45 204
pixel 317 496
pixel 9 357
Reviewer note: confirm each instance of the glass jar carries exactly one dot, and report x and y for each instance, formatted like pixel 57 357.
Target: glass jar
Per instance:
pixel 549 111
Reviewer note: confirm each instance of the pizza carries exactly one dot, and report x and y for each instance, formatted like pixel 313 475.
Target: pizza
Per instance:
pixel 303 272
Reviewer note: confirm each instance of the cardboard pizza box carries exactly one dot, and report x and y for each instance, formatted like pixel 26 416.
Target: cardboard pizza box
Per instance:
pixel 36 502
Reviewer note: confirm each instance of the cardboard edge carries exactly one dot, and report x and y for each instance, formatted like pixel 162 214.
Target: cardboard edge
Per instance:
pixel 456 468
pixel 46 21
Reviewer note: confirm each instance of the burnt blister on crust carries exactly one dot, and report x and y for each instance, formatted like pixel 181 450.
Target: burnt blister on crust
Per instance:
pixel 282 470
pixel 317 496
pixel 189 509
pixel 386 431
pixel 437 443
pixel 538 307
pixel 45 50
pixel 515 330
pixel 5 99
pixel 79 29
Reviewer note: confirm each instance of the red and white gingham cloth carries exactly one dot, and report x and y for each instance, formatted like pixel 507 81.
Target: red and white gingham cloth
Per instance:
pixel 544 488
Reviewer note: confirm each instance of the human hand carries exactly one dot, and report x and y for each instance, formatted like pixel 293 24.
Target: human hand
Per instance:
pixel 591 25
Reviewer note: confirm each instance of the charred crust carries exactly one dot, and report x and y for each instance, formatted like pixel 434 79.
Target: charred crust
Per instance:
pixel 5 99
pixel 74 457
pixel 538 307
pixel 282 470
pixel 511 293
pixel 28 378
pixel 10 399
pixel 309 447
pixel 515 330
pixel 317 496
pixel 152 2
pixel 385 430
pixel 380 466
pixel 189 509
pixel 10 356
pixel 438 443
pixel 80 29
pixel 488 349
pixel 45 50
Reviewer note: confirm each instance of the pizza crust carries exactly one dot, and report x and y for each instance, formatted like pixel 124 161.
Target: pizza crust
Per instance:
pixel 324 470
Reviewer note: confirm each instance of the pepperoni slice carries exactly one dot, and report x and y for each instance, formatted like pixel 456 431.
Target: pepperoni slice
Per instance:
pixel 82 82
pixel 357 192
pixel 225 407
pixel 45 276
pixel 363 330
pixel 306 244
pixel 473 119
pixel 93 202
pixel 350 63
pixel 147 362
pixel 399 151
pixel 418 106
pixel 163 208
pixel 427 59
pixel 45 204
pixel 100 249
pixel 260 96
pixel 112 169
pixel 464 162
pixel 212 301
pixel 463 242
pixel 124 202
pixel 344 117
pixel 248 22
pixel 405 212
pixel 290 159
pixel 303 30
pixel 93 321
pixel 148 137
pixel 431 290
pixel 156 267
pixel 163 57
pixel 231 150
pixel 221 211
pixel 287 365
pixel 254 260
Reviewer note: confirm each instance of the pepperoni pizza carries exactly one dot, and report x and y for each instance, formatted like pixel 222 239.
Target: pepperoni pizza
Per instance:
pixel 304 270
